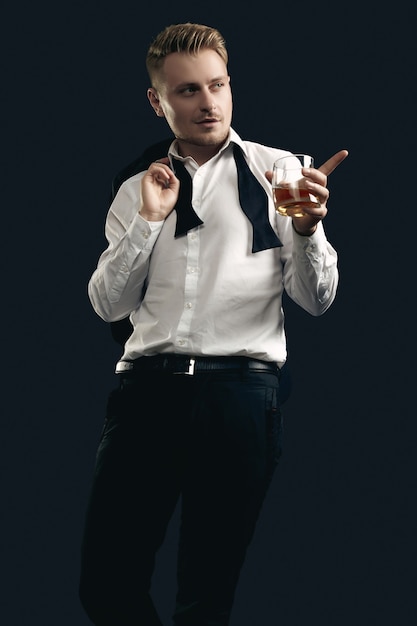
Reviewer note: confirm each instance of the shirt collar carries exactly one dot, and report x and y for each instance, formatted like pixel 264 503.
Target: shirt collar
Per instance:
pixel 232 138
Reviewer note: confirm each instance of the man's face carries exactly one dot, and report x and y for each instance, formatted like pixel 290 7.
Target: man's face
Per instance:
pixel 195 97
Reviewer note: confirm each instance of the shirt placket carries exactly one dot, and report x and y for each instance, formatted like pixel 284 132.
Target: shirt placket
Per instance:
pixel 191 275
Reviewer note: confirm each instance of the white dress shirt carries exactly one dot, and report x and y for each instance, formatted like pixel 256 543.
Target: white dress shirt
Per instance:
pixel 206 293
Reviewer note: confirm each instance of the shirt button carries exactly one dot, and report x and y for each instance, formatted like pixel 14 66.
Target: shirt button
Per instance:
pixel 181 342
pixel 145 235
pixel 188 305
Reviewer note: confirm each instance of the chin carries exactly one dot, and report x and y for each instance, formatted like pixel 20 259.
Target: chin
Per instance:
pixel 212 137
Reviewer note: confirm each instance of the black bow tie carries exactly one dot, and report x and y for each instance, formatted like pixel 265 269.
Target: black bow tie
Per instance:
pixel 187 218
pixel 253 200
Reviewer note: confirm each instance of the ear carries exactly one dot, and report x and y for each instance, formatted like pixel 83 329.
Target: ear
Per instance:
pixel 155 103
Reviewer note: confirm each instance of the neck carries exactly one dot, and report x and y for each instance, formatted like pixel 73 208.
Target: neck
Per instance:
pixel 200 153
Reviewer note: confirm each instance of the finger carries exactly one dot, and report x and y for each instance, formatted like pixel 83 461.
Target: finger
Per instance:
pixel 164 160
pixel 161 173
pixel 329 166
pixel 320 191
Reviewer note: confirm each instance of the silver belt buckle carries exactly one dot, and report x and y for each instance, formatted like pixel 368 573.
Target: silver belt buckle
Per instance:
pixel 123 366
pixel 190 371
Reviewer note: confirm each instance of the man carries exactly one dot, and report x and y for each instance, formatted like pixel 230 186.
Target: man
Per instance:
pixel 196 414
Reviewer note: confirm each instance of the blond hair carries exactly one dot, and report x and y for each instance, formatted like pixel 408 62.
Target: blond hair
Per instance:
pixel 188 37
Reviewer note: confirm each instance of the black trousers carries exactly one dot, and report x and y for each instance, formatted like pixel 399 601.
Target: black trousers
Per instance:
pixel 212 439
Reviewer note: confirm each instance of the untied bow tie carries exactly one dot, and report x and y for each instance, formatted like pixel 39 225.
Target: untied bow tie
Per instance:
pixel 253 200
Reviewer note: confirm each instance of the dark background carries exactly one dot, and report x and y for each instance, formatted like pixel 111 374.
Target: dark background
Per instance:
pixel 335 545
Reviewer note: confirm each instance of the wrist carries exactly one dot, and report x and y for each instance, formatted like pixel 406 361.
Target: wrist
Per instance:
pixel 151 216
pixel 305 233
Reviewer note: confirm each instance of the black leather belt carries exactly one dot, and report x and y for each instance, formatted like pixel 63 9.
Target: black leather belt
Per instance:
pixel 182 364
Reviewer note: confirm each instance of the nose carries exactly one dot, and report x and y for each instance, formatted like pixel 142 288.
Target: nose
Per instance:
pixel 207 102
pixel 208 108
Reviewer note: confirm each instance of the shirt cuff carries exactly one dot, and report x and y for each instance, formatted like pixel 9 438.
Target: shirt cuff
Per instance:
pixel 310 249
pixel 145 233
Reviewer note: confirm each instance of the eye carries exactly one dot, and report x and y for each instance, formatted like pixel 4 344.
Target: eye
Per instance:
pixel 189 90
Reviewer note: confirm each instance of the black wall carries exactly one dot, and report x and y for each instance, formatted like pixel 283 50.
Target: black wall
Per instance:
pixel 336 541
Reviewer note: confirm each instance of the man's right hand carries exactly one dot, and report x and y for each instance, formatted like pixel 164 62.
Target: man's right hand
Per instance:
pixel 160 189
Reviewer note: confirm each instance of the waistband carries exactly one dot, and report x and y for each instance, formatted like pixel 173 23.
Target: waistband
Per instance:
pixel 188 365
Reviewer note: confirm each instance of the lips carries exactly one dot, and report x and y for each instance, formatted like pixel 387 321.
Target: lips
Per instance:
pixel 208 120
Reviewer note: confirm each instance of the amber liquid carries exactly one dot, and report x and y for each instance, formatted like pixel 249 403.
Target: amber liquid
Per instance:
pixel 291 201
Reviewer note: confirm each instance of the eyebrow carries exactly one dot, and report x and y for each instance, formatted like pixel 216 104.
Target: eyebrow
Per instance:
pixel 193 84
